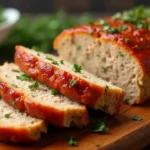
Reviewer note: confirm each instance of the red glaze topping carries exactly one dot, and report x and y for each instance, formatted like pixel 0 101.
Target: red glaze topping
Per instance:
pixel 32 108
pixel 15 135
pixel 58 79
pixel 139 39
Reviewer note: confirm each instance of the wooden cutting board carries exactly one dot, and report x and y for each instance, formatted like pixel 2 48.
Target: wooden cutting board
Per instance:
pixel 124 134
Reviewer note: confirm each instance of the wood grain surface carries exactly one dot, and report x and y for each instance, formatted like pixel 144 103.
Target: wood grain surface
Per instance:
pixel 124 133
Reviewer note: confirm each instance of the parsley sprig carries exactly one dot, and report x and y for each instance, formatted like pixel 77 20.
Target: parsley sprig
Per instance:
pixel 24 77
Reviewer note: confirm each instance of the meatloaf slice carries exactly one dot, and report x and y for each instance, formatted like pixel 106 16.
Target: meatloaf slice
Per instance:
pixel 70 80
pixel 26 94
pixel 18 127
pixel 114 50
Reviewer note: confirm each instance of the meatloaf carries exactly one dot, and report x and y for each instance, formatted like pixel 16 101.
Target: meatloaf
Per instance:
pixel 18 127
pixel 116 48
pixel 37 100
pixel 70 80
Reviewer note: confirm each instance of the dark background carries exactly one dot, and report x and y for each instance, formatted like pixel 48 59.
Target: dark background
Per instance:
pixel 45 6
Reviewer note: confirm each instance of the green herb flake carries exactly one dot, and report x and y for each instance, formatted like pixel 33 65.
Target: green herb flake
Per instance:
pixel 76 68
pixel 51 59
pixel 14 85
pixel 106 88
pixel 99 126
pixel 35 48
pixel 38 54
pixel 121 54
pixel 126 100
pixel 7 115
pixel 104 70
pixel 14 70
pixel 72 141
pixel 127 40
pixel 12 102
pixel 137 118
pixel 54 92
pixel 103 23
pixel 62 62
pixel 34 85
pixel 116 16
pixel 24 77
pixel 90 32
pixel 78 47
pixel 73 82
pixel 123 27
pixel 55 62
pixel 135 47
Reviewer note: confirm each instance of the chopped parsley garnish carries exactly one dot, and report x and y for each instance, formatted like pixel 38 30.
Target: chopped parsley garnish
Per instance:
pixel 24 77
pixel 34 85
pixel 127 40
pixel 90 31
pixel 78 47
pixel 123 27
pixel 35 48
pixel 55 62
pixel 121 54
pixel 102 22
pixel 116 16
pixel 7 115
pixel 76 68
pixel 62 62
pixel 14 85
pixel 111 29
pixel 14 70
pixel 54 92
pixel 137 118
pixel 51 59
pixel 73 82
pixel 106 88
pixel 38 54
pixel 99 126
pixel 104 70
pixel 12 102
pixel 136 46
pixel 72 141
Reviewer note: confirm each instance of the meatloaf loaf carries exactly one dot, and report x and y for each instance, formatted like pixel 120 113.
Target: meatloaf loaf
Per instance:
pixel 117 49
pixel 18 127
pixel 70 80
pixel 25 94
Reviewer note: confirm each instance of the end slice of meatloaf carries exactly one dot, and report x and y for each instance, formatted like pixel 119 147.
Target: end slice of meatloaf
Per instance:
pixel 26 94
pixel 120 54
pixel 70 80
pixel 18 127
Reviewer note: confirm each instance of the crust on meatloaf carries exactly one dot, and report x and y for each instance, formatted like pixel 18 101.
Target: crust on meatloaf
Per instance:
pixel 122 57
pixel 87 89
pixel 26 94
pixel 18 127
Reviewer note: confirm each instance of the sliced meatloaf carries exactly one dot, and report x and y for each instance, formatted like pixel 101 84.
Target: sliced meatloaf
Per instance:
pixel 26 94
pixel 18 127
pixel 117 49
pixel 70 80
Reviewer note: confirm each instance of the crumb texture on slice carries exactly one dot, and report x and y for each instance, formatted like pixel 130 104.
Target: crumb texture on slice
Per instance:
pixel 120 58
pixel 38 100
pixel 70 80
pixel 18 127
